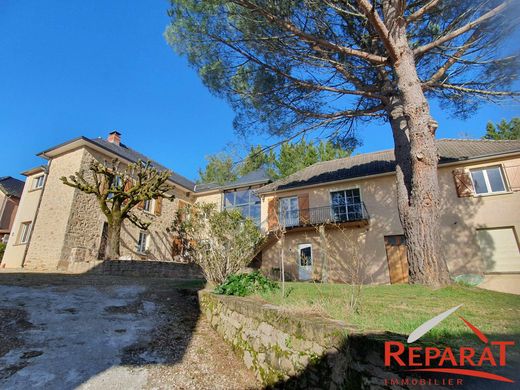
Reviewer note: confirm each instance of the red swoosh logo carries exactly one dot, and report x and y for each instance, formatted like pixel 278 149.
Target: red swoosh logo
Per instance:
pixel 460 371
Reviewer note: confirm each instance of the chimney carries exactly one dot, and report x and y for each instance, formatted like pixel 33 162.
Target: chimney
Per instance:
pixel 114 137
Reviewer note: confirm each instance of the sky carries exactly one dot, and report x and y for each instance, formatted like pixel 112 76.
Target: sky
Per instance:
pixel 71 68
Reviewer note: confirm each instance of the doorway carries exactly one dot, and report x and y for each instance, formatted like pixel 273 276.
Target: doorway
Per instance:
pixel 397 258
pixel 305 261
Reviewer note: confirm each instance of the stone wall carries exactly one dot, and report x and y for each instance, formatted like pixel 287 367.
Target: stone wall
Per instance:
pixel 295 351
pixel 144 268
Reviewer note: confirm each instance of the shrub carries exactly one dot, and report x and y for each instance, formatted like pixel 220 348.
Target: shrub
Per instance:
pixel 246 284
pixel 220 242
pixel 2 250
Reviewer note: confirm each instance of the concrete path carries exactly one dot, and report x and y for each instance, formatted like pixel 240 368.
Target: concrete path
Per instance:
pixel 115 335
pixel 503 283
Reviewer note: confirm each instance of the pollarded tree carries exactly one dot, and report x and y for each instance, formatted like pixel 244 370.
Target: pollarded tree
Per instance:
pixel 288 67
pixel 118 190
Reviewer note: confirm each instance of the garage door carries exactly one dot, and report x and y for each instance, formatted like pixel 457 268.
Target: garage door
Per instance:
pixel 499 249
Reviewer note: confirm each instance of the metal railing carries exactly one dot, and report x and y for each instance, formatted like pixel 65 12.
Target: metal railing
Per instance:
pixel 339 213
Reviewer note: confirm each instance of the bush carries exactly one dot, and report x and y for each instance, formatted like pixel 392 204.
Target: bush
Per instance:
pixel 246 284
pixel 2 250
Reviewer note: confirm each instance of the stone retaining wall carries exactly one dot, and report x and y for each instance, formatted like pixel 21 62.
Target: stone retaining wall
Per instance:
pixel 148 268
pixel 294 351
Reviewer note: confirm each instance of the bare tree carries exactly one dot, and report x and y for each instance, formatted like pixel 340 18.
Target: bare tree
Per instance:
pixel 290 67
pixel 118 190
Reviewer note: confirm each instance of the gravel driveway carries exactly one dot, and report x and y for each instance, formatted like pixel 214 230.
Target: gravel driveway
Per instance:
pixel 89 332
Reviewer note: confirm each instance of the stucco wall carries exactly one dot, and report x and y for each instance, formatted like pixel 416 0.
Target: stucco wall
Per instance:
pixel 15 251
pixel 215 198
pixel 460 218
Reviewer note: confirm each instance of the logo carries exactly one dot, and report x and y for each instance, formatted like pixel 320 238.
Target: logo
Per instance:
pixel 463 361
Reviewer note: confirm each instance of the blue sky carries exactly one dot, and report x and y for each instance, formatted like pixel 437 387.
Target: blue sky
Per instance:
pixel 70 68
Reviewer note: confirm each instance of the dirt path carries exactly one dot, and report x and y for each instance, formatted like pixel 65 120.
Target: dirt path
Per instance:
pixel 110 333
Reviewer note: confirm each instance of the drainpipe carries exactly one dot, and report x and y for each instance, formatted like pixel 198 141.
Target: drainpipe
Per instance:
pixel 46 172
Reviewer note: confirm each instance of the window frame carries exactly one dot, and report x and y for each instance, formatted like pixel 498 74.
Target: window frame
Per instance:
pixel 151 208
pixel 344 190
pixel 36 181
pixel 24 235
pixel 295 220
pixel 487 183
pixel 244 208
pixel 139 244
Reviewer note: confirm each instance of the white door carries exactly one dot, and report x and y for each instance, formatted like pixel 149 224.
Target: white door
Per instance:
pixel 305 261
pixel 499 249
pixel 289 213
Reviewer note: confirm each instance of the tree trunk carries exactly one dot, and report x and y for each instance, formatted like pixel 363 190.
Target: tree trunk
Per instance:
pixel 114 239
pixel 417 184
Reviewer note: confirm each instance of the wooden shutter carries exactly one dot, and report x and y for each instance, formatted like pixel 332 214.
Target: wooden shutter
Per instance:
pixel 463 183
pixel 303 207
pixel 103 187
pixel 140 205
pixel 158 206
pixel 128 185
pixel 272 214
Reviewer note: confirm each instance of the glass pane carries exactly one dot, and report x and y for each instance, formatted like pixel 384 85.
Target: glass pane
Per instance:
pixel 305 256
pixel 242 197
pixel 338 205
pixel 352 196
pixel 229 199
pixel 479 182
pixel 495 179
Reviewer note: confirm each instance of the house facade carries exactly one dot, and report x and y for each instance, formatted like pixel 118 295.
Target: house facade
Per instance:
pixel 10 193
pixel 338 220
pixel 334 221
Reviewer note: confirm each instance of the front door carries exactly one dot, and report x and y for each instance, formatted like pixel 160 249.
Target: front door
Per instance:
pixel 305 261
pixel 397 258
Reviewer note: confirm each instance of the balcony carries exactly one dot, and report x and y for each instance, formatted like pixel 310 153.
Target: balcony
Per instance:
pixel 354 214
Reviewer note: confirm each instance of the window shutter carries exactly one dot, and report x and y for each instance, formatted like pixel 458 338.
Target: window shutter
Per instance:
pixel 303 207
pixel 272 214
pixel 128 185
pixel 103 185
pixel 463 183
pixel 140 205
pixel 158 206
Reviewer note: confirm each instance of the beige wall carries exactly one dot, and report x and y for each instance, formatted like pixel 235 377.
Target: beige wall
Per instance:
pixel 8 208
pixel 215 198
pixel 349 247
pixel 15 251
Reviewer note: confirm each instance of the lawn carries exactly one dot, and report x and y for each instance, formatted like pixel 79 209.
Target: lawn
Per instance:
pixel 402 308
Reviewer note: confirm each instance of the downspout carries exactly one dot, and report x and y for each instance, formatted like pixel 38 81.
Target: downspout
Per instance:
pixel 46 172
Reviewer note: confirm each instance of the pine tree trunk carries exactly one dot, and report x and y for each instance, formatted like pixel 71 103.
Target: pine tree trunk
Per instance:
pixel 114 240
pixel 417 183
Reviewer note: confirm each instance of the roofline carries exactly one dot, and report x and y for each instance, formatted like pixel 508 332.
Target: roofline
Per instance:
pixel 95 146
pixel 229 187
pixel 376 175
pixel 32 171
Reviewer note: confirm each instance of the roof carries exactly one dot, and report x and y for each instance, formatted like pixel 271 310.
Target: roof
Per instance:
pixel 126 153
pixel 11 186
pixel 361 165
pixel 260 176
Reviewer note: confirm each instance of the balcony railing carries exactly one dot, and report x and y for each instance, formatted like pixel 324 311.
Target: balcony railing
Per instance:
pixel 341 213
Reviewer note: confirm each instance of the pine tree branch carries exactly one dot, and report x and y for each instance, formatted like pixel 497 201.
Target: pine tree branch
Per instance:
pixel 421 11
pixel 311 40
pixel 472 90
pixel 373 16
pixel 469 26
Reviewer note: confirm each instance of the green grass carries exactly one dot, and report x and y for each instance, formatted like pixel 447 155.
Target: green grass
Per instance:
pixel 402 308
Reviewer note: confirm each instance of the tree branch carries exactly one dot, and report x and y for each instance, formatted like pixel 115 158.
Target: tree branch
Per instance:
pixel 488 15
pixel 421 11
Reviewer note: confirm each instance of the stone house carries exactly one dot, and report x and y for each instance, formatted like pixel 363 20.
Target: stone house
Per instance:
pixel 334 220
pixel 10 193
pixel 62 228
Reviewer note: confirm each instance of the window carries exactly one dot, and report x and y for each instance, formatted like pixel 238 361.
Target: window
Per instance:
pixel 142 243
pixel 148 205
pixel 38 182
pixel 244 200
pixel 346 205
pixel 289 211
pixel 25 232
pixel 488 180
